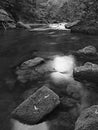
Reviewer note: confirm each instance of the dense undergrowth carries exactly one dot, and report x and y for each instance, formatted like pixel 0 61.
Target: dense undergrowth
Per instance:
pixel 49 11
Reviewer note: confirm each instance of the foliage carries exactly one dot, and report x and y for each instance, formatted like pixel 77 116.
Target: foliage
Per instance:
pixel 47 11
pixel 91 10
pixel 20 9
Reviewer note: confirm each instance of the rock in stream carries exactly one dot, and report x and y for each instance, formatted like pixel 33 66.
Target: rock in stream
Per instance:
pixel 88 72
pixel 33 69
pixel 36 106
pixel 88 119
pixel 88 53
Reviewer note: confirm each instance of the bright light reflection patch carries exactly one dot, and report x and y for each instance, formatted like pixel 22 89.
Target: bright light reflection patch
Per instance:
pixel 64 63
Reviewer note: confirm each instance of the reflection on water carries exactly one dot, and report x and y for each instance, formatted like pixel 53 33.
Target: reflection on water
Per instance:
pixel 64 69
pixel 64 64
pixel 19 126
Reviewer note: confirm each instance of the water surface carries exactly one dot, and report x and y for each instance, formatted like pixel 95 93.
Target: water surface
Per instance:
pixel 17 46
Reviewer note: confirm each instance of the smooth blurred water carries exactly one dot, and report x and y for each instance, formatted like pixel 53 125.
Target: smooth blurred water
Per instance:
pixel 15 45
pixel 18 45
pixel 19 126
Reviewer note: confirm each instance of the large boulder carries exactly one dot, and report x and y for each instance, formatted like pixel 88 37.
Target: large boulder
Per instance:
pixel 88 72
pixel 88 119
pixel 88 53
pixel 68 102
pixel 36 106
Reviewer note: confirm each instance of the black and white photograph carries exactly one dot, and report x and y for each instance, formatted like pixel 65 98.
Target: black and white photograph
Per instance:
pixel 48 65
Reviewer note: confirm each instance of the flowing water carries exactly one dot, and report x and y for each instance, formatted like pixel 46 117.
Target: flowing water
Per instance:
pixel 18 45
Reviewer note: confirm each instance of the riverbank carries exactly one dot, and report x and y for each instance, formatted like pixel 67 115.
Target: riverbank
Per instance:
pixel 86 28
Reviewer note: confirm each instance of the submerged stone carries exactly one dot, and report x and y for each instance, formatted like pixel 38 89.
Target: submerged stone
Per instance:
pixel 73 89
pixel 36 106
pixel 26 71
pixel 32 62
pixel 88 119
pixel 34 69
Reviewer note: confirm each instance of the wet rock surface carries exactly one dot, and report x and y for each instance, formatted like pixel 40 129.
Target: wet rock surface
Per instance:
pixel 88 53
pixel 89 50
pixel 90 28
pixel 35 107
pixel 88 71
pixel 32 62
pixel 27 70
pixel 88 119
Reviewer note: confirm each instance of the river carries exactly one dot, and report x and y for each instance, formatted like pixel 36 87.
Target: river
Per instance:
pixel 18 45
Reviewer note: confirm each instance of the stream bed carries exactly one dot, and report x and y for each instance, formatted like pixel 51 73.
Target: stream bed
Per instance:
pixel 17 46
